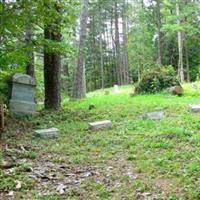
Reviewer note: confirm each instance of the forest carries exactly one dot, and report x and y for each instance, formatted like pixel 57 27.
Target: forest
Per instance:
pixel 99 99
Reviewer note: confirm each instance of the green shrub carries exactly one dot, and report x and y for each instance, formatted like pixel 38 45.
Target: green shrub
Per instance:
pixel 5 83
pixel 5 78
pixel 156 79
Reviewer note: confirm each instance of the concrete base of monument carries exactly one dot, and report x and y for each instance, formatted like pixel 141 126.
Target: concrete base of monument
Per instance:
pixel 23 108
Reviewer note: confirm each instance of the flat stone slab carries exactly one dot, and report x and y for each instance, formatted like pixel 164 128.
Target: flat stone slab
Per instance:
pixel 47 133
pixel 195 108
pixel 100 125
pixel 154 115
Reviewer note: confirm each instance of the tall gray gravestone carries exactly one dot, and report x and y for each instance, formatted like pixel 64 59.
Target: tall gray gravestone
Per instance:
pixel 23 95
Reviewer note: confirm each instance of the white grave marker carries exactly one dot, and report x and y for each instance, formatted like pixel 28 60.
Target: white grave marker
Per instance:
pixel 116 88
pixel 195 108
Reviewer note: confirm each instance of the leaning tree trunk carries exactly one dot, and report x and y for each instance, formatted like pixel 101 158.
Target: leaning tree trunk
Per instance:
pixel 180 46
pixel 52 67
pixel 79 90
pixel 30 69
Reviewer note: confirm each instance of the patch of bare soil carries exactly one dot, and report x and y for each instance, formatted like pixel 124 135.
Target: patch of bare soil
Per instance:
pixel 52 178
pixel 120 168
pixel 57 178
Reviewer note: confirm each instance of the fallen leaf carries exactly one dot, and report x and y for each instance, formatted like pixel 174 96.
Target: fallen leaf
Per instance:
pixel 61 189
pixel 10 194
pixel 19 184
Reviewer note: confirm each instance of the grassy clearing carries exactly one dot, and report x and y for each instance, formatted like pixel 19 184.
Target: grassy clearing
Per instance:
pixel 136 159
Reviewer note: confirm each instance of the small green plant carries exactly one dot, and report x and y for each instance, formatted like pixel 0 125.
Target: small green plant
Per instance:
pixel 156 79
pixel 5 83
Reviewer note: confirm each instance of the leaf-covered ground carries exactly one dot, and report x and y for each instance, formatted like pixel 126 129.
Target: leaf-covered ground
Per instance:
pixel 136 159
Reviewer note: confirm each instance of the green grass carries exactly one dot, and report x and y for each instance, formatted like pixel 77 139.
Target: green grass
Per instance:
pixel 163 156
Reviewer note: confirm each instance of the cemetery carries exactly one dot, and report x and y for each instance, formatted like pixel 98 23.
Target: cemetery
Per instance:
pixel 132 140
pixel 100 100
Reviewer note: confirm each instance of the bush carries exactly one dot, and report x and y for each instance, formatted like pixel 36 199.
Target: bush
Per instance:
pixel 5 78
pixel 156 79
pixel 5 83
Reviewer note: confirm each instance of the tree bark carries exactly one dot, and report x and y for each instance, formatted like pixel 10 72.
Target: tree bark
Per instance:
pixel 30 68
pixel 159 25
pixel 65 83
pixel 180 46
pixel 125 41
pixel 79 90
pixel 187 59
pixel 2 22
pixel 101 51
pixel 52 67
pixel 117 47
pixel 114 56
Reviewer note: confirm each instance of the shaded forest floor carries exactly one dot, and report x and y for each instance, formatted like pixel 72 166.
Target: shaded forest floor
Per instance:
pixel 136 159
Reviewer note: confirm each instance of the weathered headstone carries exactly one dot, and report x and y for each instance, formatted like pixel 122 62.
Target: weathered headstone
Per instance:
pixel 100 125
pixel 154 115
pixel 47 133
pixel 195 108
pixel 23 95
pixel 116 88
pixel 195 86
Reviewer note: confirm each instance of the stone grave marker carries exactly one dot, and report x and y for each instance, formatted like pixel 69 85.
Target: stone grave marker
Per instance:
pixel 23 95
pixel 195 108
pixel 154 115
pixel 116 89
pixel 47 133
pixel 100 125
pixel 195 86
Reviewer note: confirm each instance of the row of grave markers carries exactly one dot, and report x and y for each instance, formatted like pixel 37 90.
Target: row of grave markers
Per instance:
pixel 107 124
pixel 23 102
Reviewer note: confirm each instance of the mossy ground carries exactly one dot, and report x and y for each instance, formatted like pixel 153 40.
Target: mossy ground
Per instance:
pixel 136 159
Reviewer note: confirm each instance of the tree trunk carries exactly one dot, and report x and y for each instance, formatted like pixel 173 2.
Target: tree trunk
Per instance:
pixel 52 67
pixel 2 21
pixel 180 47
pixel 79 90
pixel 65 83
pixel 125 41
pixel 117 47
pixel 114 56
pixel 101 51
pixel 187 59
pixel 159 25
pixel 30 69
